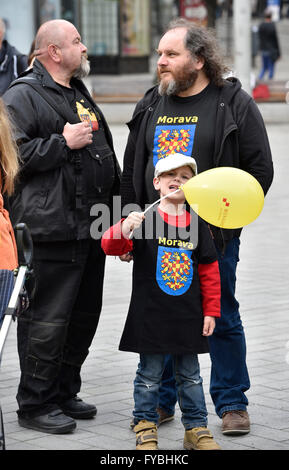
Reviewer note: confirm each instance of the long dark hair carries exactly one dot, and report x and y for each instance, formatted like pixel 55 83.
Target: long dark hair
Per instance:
pixel 201 43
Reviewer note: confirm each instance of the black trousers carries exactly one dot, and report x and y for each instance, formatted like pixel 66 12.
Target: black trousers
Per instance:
pixel 55 333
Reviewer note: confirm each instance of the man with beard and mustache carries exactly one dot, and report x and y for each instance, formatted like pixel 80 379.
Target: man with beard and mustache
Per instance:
pixel 67 165
pixel 197 112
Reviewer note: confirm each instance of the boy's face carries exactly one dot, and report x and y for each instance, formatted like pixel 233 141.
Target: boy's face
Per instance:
pixel 170 181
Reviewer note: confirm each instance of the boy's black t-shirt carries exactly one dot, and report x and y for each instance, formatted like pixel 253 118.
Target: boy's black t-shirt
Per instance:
pixel 182 125
pixel 165 314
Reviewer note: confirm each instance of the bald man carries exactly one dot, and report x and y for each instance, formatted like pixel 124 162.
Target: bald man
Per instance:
pixel 67 165
pixel 12 62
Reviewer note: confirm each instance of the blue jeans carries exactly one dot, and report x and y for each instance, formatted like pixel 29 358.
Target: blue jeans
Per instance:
pixel 229 374
pixel 168 392
pixel 189 388
pixel 267 66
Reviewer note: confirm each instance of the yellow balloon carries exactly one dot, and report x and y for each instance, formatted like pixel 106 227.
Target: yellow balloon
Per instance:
pixel 226 197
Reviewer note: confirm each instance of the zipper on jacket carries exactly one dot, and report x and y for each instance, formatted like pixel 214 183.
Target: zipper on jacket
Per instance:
pixel 231 129
pixel 4 62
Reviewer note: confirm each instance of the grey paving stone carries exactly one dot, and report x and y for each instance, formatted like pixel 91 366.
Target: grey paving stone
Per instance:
pixel 22 446
pixel 57 442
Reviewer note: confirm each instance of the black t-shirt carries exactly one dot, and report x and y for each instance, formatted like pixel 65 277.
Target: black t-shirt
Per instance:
pixel 182 125
pixel 98 164
pixel 170 319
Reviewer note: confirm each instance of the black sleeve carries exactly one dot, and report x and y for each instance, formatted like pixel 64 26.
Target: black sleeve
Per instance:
pixel 116 186
pixel 276 42
pixel 127 191
pixel 254 148
pixel 38 152
pixel 206 252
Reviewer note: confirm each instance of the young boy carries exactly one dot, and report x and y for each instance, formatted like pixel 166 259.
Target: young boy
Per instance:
pixel 175 297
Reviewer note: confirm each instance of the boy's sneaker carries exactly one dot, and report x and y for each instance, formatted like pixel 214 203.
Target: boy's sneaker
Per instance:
pixel 146 435
pixel 200 439
pixel 164 417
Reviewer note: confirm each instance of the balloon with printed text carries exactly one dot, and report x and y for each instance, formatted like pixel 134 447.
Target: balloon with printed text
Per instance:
pixel 225 197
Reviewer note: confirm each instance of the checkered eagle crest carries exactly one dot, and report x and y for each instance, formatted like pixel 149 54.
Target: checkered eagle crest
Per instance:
pixel 174 270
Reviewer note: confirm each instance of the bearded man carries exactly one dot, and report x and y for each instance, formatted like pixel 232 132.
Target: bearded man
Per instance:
pixel 195 111
pixel 67 165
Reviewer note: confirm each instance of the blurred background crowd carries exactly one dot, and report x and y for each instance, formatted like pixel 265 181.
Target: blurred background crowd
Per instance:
pixel 121 35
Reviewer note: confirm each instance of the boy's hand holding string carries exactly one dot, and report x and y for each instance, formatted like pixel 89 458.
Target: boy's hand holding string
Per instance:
pixel 133 221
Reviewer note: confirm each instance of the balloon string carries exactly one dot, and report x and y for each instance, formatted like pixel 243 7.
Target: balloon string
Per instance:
pixel 153 204
pixel 160 199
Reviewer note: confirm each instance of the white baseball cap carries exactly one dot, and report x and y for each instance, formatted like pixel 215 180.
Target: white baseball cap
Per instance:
pixel 173 161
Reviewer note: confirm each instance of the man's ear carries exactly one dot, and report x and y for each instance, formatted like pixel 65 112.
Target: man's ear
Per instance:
pixel 54 52
pixel 199 62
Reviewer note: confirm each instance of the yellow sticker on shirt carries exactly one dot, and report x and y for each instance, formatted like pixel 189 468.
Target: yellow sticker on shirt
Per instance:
pixel 86 115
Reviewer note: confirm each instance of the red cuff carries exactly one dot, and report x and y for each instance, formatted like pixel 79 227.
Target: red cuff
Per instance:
pixel 113 242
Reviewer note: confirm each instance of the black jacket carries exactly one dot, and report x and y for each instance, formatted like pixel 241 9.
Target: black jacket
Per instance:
pixel 52 195
pixel 12 64
pixel 240 141
pixel 268 39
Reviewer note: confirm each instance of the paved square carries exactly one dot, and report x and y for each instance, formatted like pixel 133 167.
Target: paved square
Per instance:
pixel 262 290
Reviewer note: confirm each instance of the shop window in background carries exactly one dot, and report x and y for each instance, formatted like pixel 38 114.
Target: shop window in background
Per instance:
pixel 99 26
pixel 69 11
pixel 134 23
pixel 48 10
pixel 54 9
pixel 162 12
pixel 194 10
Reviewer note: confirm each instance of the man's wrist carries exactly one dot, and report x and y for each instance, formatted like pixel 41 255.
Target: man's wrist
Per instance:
pixel 63 139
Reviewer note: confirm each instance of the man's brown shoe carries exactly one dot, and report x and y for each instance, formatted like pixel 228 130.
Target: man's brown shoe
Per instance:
pixel 146 435
pixel 164 417
pixel 235 422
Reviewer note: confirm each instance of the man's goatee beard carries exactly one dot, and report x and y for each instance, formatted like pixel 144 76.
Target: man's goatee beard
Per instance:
pixel 83 70
pixel 174 87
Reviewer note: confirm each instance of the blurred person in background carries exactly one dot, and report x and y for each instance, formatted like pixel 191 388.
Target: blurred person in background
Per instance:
pixel 12 62
pixel 268 45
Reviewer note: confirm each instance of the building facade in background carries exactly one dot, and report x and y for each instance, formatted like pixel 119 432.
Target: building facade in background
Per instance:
pixel 120 34
pixel 116 32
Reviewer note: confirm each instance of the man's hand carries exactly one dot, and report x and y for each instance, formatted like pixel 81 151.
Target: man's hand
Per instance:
pixel 133 221
pixel 77 135
pixel 209 326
